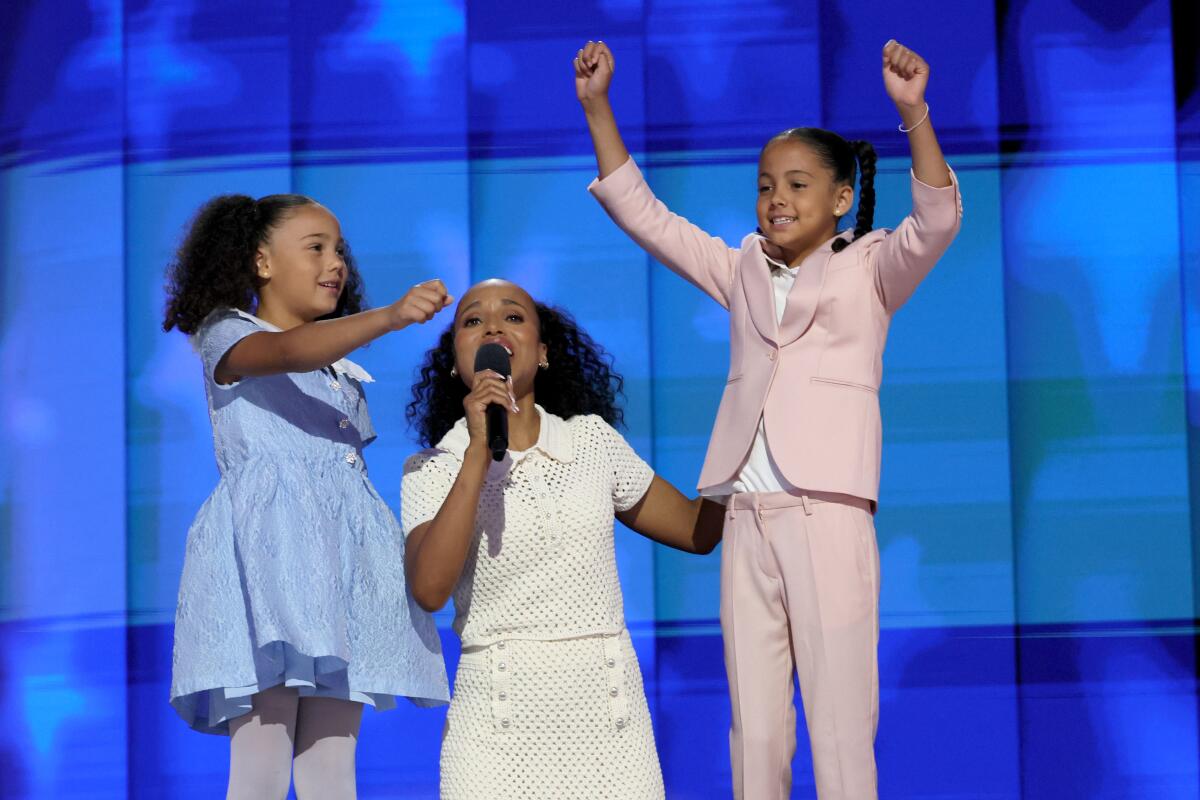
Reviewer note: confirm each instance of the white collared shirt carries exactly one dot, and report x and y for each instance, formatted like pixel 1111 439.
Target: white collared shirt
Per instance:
pixel 782 278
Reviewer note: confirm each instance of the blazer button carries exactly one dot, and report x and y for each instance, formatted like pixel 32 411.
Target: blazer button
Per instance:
pixel 771 354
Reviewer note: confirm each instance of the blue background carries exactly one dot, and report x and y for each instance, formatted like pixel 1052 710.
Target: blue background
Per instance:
pixel 1042 390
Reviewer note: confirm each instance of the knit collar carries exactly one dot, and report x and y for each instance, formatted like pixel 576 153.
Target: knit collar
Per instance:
pixel 554 439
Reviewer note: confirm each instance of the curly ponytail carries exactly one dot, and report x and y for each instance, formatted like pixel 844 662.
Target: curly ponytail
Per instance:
pixel 214 266
pixel 842 158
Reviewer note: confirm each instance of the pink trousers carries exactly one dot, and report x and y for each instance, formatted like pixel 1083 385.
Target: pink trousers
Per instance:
pixel 800 591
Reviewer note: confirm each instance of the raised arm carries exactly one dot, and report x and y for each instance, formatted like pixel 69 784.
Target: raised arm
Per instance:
pixel 666 516
pixel 318 344
pixel 905 76
pixel 436 551
pixel 907 255
pixel 702 259
pixel 593 74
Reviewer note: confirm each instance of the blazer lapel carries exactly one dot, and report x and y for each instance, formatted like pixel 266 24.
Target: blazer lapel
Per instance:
pixel 805 293
pixel 760 294
pixel 802 299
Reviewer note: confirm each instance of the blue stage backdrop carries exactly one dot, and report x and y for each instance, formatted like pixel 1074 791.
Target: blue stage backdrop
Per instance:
pixel 1041 398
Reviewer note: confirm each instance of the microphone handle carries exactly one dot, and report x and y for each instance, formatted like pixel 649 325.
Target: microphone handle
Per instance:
pixel 497 431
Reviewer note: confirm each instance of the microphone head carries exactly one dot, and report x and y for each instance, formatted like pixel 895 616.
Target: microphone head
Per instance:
pixel 494 357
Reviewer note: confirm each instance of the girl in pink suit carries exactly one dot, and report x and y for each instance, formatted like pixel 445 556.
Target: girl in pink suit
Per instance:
pixel 796 443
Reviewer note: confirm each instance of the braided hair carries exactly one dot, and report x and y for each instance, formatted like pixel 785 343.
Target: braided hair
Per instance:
pixel 842 158
pixel 580 380
pixel 214 267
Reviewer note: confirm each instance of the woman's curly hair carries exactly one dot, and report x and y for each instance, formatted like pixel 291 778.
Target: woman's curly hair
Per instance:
pixel 214 267
pixel 580 380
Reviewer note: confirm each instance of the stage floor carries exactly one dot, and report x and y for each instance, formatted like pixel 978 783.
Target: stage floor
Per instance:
pixel 1099 712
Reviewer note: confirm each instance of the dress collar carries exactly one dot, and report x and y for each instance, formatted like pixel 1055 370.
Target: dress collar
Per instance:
pixel 554 439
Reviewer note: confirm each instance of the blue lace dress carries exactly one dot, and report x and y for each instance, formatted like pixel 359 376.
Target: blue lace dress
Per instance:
pixel 294 569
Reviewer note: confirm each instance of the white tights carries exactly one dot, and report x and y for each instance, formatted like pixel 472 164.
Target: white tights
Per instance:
pixel 314 737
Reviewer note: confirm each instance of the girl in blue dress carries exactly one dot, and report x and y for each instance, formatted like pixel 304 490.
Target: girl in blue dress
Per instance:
pixel 293 610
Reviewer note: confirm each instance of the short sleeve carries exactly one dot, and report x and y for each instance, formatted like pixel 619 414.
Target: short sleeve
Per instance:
pixel 428 477
pixel 631 476
pixel 217 336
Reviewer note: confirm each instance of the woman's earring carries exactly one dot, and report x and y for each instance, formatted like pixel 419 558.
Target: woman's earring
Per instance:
pixel 454 372
pixel 544 365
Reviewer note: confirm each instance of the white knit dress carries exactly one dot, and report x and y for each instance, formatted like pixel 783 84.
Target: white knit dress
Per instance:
pixel 548 700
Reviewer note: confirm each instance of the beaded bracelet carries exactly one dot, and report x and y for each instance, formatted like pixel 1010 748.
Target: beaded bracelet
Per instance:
pixel 903 129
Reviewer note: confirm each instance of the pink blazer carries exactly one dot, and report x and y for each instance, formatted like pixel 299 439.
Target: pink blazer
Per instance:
pixel 814 378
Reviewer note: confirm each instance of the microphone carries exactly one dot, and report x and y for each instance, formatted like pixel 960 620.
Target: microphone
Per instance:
pixel 494 357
